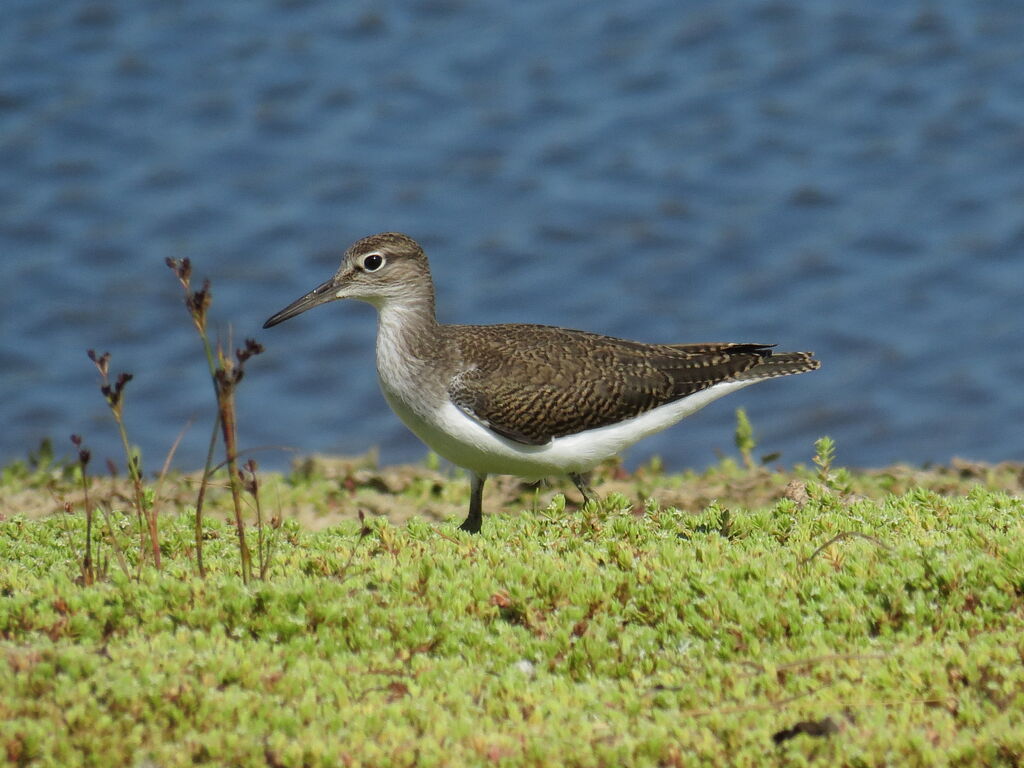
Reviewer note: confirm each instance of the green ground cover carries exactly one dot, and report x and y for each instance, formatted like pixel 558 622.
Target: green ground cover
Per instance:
pixel 742 616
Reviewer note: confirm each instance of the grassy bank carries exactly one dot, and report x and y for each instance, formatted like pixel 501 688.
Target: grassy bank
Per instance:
pixel 740 616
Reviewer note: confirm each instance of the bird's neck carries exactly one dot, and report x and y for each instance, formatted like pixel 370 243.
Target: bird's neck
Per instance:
pixel 410 343
pixel 408 321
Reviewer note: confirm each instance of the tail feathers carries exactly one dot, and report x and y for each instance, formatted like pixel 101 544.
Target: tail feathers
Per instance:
pixel 780 364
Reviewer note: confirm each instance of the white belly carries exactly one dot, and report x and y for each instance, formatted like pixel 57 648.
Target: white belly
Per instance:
pixel 467 443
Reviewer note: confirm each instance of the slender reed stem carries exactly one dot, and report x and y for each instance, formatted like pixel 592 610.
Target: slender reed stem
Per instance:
pixel 226 381
pixel 115 545
pixel 88 572
pixel 114 394
pixel 201 496
pixel 147 517
pixel 225 374
pixel 198 303
pixel 252 485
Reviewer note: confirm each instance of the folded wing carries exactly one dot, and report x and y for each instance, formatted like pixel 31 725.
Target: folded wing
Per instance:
pixel 533 383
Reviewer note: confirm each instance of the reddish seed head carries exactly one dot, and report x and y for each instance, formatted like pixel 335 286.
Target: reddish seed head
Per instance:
pixel 102 361
pixel 182 268
pixel 251 349
pixel 248 477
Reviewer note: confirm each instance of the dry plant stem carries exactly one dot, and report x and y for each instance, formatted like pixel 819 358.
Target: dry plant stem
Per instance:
pixel 114 394
pixel 163 475
pixel 149 516
pixel 842 536
pixel 168 459
pixel 226 406
pixel 201 496
pixel 364 531
pixel 114 543
pixel 225 375
pixel 264 560
pixel 68 510
pixel 87 563
pixel 208 466
pixel 198 303
pixel 252 485
pixel 83 461
pixel 135 487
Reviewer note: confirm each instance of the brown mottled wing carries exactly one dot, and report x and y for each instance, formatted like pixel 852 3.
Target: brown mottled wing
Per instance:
pixel 532 383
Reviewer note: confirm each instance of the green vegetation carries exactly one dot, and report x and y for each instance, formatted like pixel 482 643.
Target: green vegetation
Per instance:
pixel 742 616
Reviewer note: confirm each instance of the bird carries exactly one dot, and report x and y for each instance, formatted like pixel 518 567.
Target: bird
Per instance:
pixel 525 400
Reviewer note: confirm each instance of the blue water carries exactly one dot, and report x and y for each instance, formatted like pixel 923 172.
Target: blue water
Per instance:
pixel 847 178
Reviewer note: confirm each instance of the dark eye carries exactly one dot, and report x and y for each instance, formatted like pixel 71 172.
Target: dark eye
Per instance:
pixel 373 262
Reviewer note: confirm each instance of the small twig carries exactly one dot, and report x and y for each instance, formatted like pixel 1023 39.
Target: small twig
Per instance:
pixel 114 542
pixel 799 663
pixel 833 657
pixel 252 487
pixel 364 531
pixel 88 573
pixel 842 537
pixel 114 394
pixel 229 373
pixel 198 304
pixel 445 536
pixel 740 707
pixel 201 496
pixel 168 459
pixel 64 518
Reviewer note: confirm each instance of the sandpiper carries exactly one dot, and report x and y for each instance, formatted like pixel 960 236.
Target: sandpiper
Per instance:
pixel 526 400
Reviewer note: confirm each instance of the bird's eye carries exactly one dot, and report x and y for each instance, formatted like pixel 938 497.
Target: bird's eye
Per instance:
pixel 373 262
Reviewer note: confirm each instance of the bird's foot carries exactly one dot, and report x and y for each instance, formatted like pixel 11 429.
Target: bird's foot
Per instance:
pixel 471 524
pixel 588 493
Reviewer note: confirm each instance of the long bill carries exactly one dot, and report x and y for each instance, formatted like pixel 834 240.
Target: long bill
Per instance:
pixel 319 295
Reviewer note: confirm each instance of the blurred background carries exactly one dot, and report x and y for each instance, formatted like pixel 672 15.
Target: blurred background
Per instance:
pixel 846 178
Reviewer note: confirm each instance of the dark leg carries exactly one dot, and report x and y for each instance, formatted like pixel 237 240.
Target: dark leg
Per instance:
pixel 583 486
pixel 475 518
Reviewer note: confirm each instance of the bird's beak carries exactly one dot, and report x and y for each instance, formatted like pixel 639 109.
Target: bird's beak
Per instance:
pixel 321 294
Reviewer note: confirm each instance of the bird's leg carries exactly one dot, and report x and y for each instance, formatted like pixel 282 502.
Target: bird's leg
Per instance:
pixel 475 518
pixel 583 486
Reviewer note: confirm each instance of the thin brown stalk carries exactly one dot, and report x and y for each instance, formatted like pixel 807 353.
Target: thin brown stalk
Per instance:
pixel 252 485
pixel 114 394
pixel 198 303
pixel 88 571
pixel 168 459
pixel 146 516
pixel 225 374
pixel 842 536
pixel 364 531
pixel 201 496
pixel 114 544
pixel 226 381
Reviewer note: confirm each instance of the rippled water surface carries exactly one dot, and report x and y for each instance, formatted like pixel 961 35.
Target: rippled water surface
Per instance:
pixel 847 178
